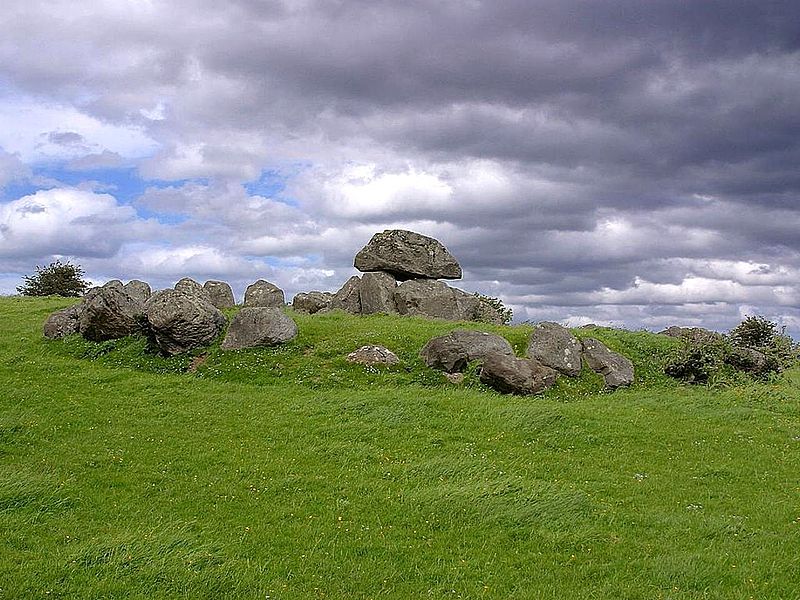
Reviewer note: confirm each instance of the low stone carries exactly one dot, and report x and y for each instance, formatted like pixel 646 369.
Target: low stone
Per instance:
pixel 312 302
pixel 190 286
pixel 453 351
pixel 264 294
pixel 376 293
pixel 617 370
pixel 749 360
pixel 108 313
pixel 373 355
pixel 454 378
pixel 692 334
pixel 512 375
pixel 219 294
pixel 554 346
pixel 138 290
pixel 180 321
pixel 258 326
pixel 348 298
pixel 407 255
pixel 63 322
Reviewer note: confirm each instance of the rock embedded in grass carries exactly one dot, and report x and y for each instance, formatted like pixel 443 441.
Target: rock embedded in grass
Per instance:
pixel 376 293
pixel 259 326
pixel 554 346
pixel 453 351
pixel 617 370
pixel 179 321
pixel 373 355
pixel 512 375
pixel 312 302
pixel 348 298
pixel 109 313
pixel 63 322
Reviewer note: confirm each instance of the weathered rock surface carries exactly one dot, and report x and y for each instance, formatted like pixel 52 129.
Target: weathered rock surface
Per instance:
pixel 138 290
pixel 617 371
pixel 748 360
pixel 472 308
pixel 63 322
pixel 512 375
pixel 407 255
pixel 349 296
pixel 190 286
pixel 430 298
pixel 554 346
pixel 219 294
pixel 257 326
pixel 376 293
pixel 373 355
pixel 108 313
pixel 178 321
pixel 312 302
pixel 453 351
pixel 264 294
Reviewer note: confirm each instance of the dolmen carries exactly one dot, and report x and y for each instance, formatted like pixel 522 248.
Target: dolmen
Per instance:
pixel 402 274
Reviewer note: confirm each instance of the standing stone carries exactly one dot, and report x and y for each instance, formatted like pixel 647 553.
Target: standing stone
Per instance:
pixel 407 255
pixel 376 293
pixel 512 375
pixel 179 321
pixel 617 371
pixel 138 290
pixel 219 293
pixel 256 326
pixel 428 298
pixel 554 346
pixel 472 308
pixel 348 297
pixel 312 302
pixel 109 313
pixel 190 286
pixel 264 294
pixel 63 322
pixel 453 351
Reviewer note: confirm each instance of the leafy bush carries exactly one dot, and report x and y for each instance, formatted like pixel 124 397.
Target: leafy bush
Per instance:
pixel 60 279
pixel 761 334
pixel 699 360
pixel 506 314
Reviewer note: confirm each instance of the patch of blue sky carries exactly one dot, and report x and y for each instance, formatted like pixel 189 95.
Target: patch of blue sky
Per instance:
pixel 272 182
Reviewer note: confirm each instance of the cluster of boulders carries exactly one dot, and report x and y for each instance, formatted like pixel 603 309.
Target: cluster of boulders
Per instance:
pixel 552 351
pixel 177 320
pixel 402 275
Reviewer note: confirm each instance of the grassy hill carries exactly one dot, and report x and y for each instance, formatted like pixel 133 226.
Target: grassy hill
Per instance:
pixel 289 473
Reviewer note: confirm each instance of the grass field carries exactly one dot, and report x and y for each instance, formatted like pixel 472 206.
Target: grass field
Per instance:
pixel 290 473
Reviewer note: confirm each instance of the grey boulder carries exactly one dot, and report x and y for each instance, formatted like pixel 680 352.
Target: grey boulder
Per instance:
pixel 190 286
pixel 179 321
pixel 373 355
pixel 108 313
pixel 219 294
pixel 429 298
pixel 63 322
pixel 349 296
pixel 554 346
pixel 512 375
pixel 376 293
pixel 138 290
pixel 617 370
pixel 312 302
pixel 453 351
pixel 264 294
pixel 257 326
pixel 407 255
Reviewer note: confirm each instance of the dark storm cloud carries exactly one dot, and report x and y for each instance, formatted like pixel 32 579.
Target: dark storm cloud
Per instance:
pixel 636 157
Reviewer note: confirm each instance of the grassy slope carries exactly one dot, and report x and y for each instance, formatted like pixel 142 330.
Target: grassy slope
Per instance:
pixel 292 474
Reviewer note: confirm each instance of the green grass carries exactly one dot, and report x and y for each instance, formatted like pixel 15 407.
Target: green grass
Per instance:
pixel 289 473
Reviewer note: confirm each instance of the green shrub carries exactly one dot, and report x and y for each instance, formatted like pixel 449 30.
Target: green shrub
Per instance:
pixel 56 279
pixel 506 314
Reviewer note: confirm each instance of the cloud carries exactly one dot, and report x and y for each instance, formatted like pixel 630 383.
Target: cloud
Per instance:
pixel 612 161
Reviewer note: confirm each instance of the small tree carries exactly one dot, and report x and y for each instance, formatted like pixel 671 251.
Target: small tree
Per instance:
pixel 505 313
pixel 62 279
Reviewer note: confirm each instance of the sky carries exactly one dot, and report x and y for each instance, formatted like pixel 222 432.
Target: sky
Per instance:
pixel 626 163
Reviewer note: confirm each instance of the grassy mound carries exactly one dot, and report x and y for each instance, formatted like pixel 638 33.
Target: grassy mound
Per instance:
pixel 291 473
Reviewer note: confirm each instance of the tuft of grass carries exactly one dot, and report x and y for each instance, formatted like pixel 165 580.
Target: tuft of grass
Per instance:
pixel 290 473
